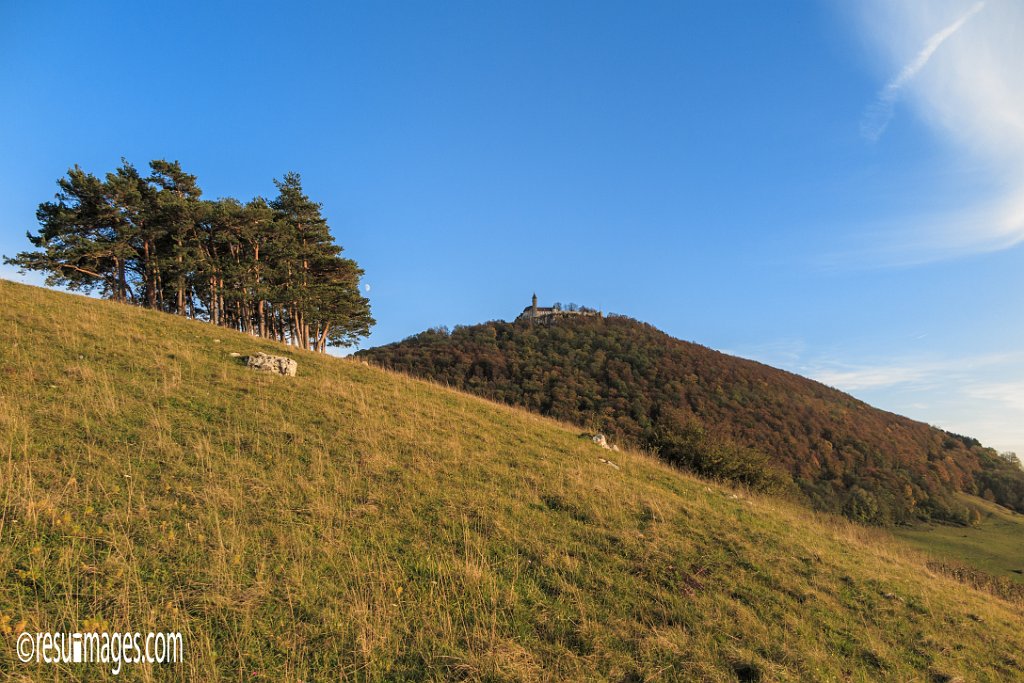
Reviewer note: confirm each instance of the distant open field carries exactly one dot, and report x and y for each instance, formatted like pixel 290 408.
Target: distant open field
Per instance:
pixel 996 545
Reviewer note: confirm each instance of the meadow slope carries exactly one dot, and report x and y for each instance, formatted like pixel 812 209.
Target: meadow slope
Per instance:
pixel 995 545
pixel 717 414
pixel 355 524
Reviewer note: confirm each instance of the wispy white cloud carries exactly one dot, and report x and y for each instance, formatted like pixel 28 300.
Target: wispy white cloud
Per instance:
pixel 870 377
pixel 878 115
pixel 917 371
pixel 958 69
pixel 979 395
pixel 982 396
pixel 1007 393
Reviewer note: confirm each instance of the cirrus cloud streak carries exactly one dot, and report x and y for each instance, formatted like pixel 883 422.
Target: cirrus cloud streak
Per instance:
pixel 957 71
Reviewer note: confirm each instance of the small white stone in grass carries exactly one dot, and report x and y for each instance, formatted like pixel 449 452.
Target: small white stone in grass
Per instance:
pixel 216 341
pixel 273 364
pixel 599 439
pixel 235 355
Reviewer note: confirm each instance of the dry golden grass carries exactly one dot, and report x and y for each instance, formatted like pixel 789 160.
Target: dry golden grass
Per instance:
pixel 351 524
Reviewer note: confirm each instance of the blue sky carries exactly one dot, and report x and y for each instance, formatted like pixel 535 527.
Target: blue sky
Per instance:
pixel 830 190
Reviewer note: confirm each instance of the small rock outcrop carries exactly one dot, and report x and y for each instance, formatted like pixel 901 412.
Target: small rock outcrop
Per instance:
pixel 599 439
pixel 275 364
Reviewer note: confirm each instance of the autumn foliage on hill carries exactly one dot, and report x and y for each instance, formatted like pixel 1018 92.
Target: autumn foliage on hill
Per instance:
pixel 716 414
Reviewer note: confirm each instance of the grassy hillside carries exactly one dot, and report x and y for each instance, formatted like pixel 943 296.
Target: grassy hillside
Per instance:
pixel 716 414
pixel 352 524
pixel 995 544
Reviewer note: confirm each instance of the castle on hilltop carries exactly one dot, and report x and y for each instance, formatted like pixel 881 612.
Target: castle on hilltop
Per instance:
pixel 556 312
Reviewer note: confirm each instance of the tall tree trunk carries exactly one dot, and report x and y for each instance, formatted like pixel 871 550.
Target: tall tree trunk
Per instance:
pixel 321 343
pixel 150 270
pixel 214 303
pixel 122 286
pixel 181 280
pixel 220 295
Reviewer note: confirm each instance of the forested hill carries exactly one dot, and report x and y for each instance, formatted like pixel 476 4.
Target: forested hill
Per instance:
pixel 716 414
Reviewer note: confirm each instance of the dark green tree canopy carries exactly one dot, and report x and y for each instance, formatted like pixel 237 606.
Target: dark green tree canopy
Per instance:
pixel 270 268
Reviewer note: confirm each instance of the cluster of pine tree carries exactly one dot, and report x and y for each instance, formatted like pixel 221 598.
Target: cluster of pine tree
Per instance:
pixel 269 268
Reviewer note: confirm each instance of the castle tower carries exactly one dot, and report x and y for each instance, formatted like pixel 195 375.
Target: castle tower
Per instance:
pixel 535 303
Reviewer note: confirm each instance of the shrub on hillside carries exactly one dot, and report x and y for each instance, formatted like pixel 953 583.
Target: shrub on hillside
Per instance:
pixel 720 458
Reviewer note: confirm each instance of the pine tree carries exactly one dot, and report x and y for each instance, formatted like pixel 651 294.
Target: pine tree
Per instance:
pixel 81 244
pixel 132 201
pixel 178 210
pixel 321 288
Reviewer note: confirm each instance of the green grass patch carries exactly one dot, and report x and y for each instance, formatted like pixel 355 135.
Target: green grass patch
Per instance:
pixel 354 524
pixel 995 545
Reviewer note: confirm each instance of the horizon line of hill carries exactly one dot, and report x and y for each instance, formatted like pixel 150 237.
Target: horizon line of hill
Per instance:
pixel 717 415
